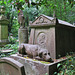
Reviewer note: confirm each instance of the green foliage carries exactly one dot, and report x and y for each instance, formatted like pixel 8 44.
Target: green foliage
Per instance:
pixel 15 27
pixel 46 74
pixel 13 47
pixel 67 67
pixel 63 10
pixel 12 40
pixel 31 12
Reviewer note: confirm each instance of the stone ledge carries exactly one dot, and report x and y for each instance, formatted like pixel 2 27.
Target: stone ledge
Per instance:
pixel 35 67
pixel 6 51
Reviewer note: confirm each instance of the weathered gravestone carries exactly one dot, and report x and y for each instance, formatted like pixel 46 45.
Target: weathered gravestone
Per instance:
pixel 3 28
pixel 53 34
pixel 9 66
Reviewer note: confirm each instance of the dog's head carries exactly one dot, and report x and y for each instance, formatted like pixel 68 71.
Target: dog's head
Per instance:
pixel 21 49
pixel 45 55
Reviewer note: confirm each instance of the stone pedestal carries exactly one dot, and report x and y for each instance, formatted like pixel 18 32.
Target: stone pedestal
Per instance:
pixel 35 67
pixel 3 30
pixel 23 35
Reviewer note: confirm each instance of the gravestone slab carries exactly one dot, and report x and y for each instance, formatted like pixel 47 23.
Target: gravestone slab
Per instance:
pixel 9 66
pixel 53 34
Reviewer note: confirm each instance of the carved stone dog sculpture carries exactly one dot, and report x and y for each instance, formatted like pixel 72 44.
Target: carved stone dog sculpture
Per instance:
pixel 21 19
pixel 45 55
pixel 34 51
pixel 27 49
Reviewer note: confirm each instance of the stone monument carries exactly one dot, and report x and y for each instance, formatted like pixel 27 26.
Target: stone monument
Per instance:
pixel 23 31
pixel 3 27
pixel 57 36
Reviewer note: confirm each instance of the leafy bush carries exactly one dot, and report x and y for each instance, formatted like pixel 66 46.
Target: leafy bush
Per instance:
pixel 13 47
pixel 67 67
pixel 12 40
pixel 15 28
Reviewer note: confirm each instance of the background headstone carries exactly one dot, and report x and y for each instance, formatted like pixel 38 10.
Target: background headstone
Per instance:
pixel 3 28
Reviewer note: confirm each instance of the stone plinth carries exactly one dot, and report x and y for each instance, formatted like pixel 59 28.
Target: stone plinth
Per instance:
pixel 23 35
pixel 35 67
pixel 3 30
pixel 6 51
pixel 57 36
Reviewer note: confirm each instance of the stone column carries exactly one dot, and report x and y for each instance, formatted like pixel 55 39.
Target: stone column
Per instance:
pixel 23 35
pixel 3 28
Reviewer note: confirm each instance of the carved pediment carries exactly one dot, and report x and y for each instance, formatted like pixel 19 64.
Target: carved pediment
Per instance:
pixel 43 20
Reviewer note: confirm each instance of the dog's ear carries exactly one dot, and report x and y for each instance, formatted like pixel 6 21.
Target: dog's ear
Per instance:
pixel 40 54
pixel 23 47
pixel 23 50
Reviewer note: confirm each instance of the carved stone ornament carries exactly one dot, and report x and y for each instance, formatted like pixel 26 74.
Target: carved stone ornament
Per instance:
pixel 43 20
pixel 42 40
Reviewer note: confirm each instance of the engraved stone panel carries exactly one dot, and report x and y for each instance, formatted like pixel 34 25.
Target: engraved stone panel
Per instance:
pixel 41 39
pixel 42 20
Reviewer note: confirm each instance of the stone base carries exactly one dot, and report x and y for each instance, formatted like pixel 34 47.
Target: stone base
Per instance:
pixel 4 42
pixel 23 35
pixel 6 51
pixel 35 67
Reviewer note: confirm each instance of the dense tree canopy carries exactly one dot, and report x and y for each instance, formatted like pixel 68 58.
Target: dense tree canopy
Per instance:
pixel 62 9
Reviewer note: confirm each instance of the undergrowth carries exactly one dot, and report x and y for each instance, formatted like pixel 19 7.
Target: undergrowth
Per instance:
pixel 13 45
pixel 67 67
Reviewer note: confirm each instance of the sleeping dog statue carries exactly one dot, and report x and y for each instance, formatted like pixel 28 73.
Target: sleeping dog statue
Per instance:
pixel 34 51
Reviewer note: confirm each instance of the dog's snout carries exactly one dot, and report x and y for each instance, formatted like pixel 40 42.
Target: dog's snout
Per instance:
pixel 48 57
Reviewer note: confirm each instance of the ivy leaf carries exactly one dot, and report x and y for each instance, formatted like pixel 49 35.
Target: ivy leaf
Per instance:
pixel 5 2
pixel 0 2
pixel 58 65
pixel 9 1
pixel 21 0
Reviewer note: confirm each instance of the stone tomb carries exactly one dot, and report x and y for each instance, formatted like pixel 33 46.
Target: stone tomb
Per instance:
pixel 53 34
pixel 9 66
